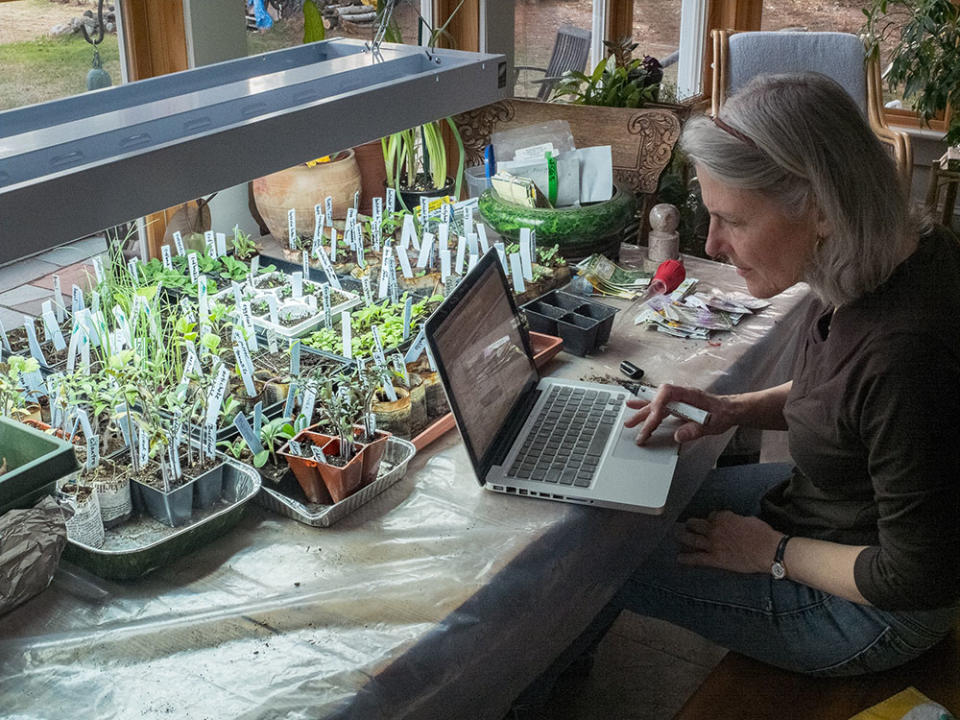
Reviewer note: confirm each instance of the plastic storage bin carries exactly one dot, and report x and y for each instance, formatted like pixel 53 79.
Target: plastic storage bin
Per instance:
pixel 35 461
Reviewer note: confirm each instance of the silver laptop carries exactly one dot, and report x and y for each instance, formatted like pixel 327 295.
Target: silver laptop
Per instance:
pixel 538 437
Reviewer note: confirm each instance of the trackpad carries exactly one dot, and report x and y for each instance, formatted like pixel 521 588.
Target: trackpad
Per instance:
pixel 661 440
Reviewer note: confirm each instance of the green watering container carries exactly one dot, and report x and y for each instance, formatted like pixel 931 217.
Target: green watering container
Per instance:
pixel 35 461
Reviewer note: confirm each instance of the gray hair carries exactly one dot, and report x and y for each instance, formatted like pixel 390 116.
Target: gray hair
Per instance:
pixel 801 140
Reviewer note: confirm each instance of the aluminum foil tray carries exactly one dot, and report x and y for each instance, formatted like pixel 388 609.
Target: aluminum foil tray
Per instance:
pixel 142 544
pixel 286 498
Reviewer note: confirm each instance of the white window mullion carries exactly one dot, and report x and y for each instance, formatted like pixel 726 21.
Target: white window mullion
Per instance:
pixel 693 34
pixel 599 25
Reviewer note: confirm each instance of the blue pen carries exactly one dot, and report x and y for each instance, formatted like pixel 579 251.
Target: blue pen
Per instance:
pixel 490 163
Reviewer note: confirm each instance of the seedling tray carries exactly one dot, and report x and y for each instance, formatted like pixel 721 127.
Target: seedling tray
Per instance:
pixel 34 461
pixel 286 498
pixel 142 544
pixel 583 324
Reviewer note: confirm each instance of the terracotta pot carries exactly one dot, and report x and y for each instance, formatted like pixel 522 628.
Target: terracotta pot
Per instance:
pixel 372 454
pixel 305 469
pixel 302 187
pixel 343 481
pixel 373 174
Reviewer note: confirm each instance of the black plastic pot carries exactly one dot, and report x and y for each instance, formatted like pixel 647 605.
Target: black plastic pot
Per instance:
pixel 172 508
pixel 579 333
pixel 542 317
pixel 208 487
pixel 602 313
pixel 586 310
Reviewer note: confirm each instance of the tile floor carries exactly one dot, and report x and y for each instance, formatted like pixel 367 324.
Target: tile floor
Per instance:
pixel 645 669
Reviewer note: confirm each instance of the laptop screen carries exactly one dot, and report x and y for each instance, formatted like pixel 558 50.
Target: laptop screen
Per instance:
pixel 482 355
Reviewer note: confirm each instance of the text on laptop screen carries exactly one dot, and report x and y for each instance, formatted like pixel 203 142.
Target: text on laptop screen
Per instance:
pixel 483 354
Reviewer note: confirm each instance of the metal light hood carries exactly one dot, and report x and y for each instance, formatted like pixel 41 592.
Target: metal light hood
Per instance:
pixel 75 166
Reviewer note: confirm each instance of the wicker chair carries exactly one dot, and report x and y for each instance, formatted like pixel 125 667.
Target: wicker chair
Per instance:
pixel 570 52
pixel 739 56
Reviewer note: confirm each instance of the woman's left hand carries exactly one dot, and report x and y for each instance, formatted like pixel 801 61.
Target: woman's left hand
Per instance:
pixel 728 541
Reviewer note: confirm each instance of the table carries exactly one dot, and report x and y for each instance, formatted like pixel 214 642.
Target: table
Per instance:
pixel 436 599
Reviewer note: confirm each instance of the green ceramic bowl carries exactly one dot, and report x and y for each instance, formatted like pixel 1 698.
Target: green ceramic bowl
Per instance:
pixel 575 230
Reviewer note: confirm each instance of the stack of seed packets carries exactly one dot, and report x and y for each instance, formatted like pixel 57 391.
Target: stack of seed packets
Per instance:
pixel 608 278
pixel 697 315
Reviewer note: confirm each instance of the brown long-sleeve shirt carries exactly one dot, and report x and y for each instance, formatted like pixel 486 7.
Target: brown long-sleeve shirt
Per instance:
pixel 874 429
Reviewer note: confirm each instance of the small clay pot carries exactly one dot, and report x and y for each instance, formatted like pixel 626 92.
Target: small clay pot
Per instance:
pixel 342 481
pixel 372 453
pixel 305 469
pixel 394 416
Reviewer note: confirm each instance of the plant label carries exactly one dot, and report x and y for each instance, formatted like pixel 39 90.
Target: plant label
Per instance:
pixel 378 357
pixel 328 208
pixel 333 246
pixel 221 244
pixel 291 397
pixel 296 281
pixel 327 316
pixel 358 245
pixel 391 200
pixel 317 223
pixel 215 398
pixel 143 447
pixel 443 235
pixel 407 316
pixel 408 233
pixel 194 266
pixel 351 219
pixel 404 262
pixel 386 265
pixel 502 252
pixel 400 368
pixel 123 420
pixel 425 248
pixel 98 269
pixel 327 268
pixel 308 404
pixel 417 347
pixel 295 358
pixel 202 298
pixel 210 241
pixel 77 299
pixel 52 326
pixel 123 325
pixel 274 307
pixel 468 220
pixel 237 290
pixel 254 266
pixel 376 206
pixel 367 292
pixel 533 244
pixel 482 237
pixel 356 200
pixel 347 334
pixel 246 321
pixel 165 257
pixel 249 434
pixel 376 236
pixel 272 346
pixel 461 254
pixel 132 270
pixel 58 299
pixel 73 351
pixel 95 302
pixel 526 265
pixel 257 418
pixel 190 367
pixel 295 448
pixel 393 283
pixel 318 455
pixel 209 432
pixel 292 228
pixel 446 211
pixel 444 264
pixel 6 340
pixel 246 367
pixel 517 273
pixel 32 341
pixel 178 242
pixel 424 211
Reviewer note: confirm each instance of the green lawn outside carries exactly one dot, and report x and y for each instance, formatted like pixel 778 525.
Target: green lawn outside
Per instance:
pixel 51 68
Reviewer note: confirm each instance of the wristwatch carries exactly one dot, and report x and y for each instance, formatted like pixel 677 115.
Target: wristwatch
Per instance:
pixel 777 568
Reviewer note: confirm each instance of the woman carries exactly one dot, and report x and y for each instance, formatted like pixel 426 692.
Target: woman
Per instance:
pixel 847 563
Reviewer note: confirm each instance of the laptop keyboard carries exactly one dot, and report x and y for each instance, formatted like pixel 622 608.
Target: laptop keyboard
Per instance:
pixel 568 436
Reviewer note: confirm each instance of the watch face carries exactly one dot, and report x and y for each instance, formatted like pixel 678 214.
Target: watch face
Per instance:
pixel 778 571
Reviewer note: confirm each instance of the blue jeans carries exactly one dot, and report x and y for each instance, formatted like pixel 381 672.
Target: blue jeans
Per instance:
pixel 779 622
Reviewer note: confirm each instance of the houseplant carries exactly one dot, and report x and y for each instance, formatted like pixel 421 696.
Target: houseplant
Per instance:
pixel 926 57
pixel 416 162
pixel 619 81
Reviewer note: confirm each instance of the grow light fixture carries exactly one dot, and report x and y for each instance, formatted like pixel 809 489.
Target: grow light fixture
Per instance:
pixel 75 166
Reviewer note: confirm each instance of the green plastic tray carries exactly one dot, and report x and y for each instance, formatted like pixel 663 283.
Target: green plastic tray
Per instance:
pixel 34 460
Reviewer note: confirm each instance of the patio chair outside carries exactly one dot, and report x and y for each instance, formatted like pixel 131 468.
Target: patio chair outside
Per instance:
pixel 570 52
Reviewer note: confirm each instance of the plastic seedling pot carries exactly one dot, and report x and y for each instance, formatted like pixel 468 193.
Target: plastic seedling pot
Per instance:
pixel 604 315
pixel 34 461
pixel 372 454
pixel 305 468
pixel 207 487
pixel 173 508
pixel 542 317
pixel 579 333
pixel 560 299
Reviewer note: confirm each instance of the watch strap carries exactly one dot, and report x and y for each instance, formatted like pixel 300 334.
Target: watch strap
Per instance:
pixel 781 549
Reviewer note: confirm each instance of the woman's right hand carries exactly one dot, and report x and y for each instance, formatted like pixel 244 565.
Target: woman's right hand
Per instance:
pixel 722 415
